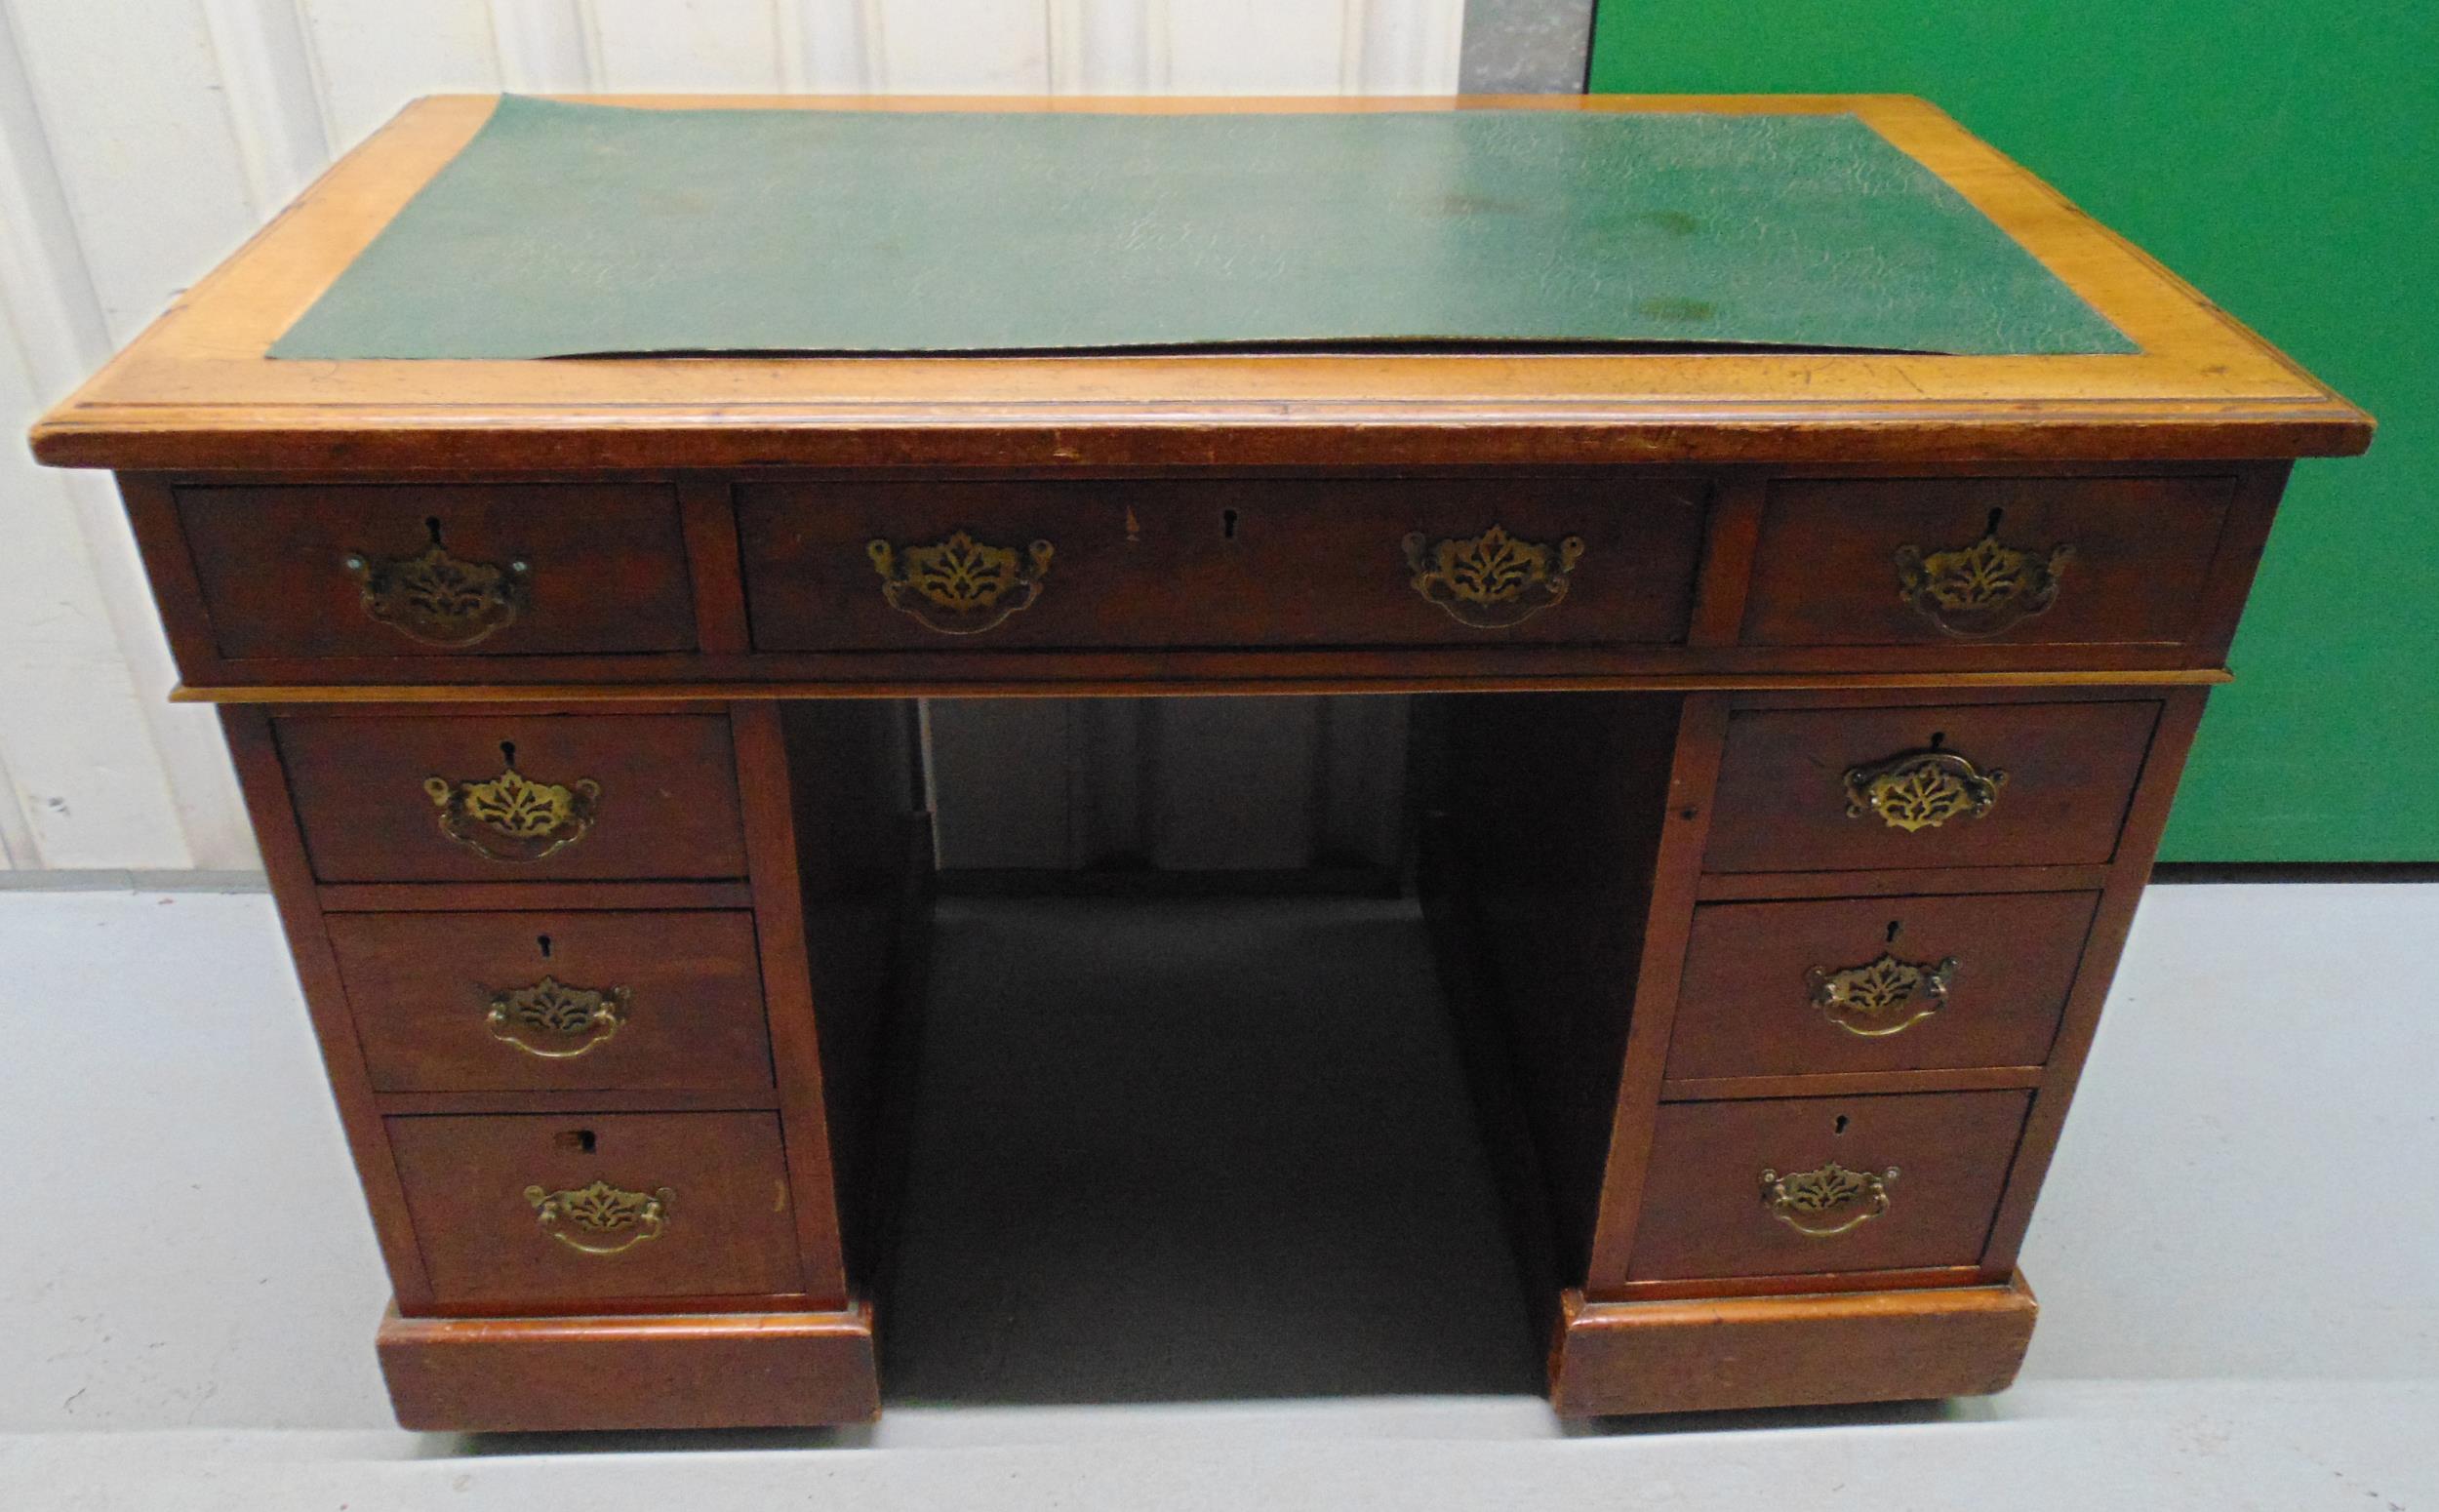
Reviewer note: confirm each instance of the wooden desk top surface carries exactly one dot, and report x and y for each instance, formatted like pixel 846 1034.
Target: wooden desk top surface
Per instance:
pixel 197 392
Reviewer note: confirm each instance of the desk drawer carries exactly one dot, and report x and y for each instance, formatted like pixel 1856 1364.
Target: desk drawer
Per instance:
pixel 561 1210
pixel 2000 784
pixel 1800 1186
pixel 2022 560
pixel 501 570
pixel 465 1001
pixel 1876 984
pixel 1247 563
pixel 478 798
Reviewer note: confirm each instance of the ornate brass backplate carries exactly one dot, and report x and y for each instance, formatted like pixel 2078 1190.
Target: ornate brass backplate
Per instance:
pixel 584 1218
pixel 439 599
pixel 1491 580
pixel 1826 1202
pixel 1984 589
pixel 1922 789
pixel 1881 997
pixel 511 817
pixel 556 1022
pixel 960 586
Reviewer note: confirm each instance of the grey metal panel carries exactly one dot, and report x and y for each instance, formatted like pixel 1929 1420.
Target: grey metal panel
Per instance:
pixel 1185 784
pixel 1110 742
pixel 1236 783
pixel 999 775
pixel 1362 779
pixel 1526 47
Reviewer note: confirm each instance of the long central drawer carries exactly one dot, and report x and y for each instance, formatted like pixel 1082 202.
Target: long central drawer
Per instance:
pixel 1223 563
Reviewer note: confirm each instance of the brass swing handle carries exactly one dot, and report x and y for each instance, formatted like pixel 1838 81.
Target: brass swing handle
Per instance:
pixel 585 1219
pixel 1491 581
pixel 1921 790
pixel 1824 1203
pixel 439 599
pixel 556 1022
pixel 960 586
pixel 511 817
pixel 1883 997
pixel 1977 591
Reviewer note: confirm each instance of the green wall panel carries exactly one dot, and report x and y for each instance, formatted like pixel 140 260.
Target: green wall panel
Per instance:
pixel 2285 159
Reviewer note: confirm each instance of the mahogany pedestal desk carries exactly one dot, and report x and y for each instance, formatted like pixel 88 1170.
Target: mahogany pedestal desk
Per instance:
pixel 1793 725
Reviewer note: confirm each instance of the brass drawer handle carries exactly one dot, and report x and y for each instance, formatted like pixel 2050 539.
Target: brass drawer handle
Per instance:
pixel 574 1020
pixel 1491 581
pixel 960 586
pixel 602 1210
pixel 1975 592
pixel 1882 997
pixel 511 817
pixel 1825 1202
pixel 1922 789
pixel 439 599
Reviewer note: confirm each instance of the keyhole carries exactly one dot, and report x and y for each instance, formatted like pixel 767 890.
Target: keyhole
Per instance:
pixel 1992 528
pixel 431 524
pixel 543 940
pixel 1227 525
pixel 508 752
pixel 1837 1128
pixel 580 1141
pixel 1892 940
pixel 1939 737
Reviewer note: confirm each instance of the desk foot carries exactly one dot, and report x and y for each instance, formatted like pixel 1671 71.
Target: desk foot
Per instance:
pixel 1704 1355
pixel 777 1369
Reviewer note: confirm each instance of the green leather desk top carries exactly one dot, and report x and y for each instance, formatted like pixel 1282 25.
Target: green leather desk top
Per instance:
pixel 569 230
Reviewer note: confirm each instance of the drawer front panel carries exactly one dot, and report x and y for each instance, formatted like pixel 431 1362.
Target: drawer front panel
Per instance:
pixel 465 1001
pixel 1220 563
pixel 545 1212
pixel 1876 984
pixel 1801 1186
pixel 523 798
pixel 441 571
pixel 2028 560
pixel 2014 785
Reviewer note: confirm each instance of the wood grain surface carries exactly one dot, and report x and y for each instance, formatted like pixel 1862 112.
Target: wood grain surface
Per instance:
pixel 422 987
pixel 728 1229
pixel 1747 1006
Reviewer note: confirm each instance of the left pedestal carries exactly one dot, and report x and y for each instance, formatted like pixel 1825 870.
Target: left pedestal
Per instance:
pixel 563 962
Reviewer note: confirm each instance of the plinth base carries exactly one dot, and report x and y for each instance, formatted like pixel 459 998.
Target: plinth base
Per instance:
pixel 1705 1355
pixel 700 1371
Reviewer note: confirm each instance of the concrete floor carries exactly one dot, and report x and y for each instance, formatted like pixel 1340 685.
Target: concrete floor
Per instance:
pixel 2238 1254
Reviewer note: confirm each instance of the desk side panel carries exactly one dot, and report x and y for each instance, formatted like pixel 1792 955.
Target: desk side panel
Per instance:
pixel 255 754
pixel 1542 817
pixel 865 873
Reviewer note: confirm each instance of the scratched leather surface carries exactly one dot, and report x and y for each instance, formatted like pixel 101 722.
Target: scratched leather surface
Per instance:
pixel 569 230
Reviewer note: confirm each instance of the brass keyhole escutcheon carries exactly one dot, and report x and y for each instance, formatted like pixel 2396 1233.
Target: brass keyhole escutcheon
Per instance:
pixel 1491 581
pixel 511 817
pixel 1981 590
pixel 557 1022
pixel 1827 1201
pixel 438 597
pixel 1882 997
pixel 600 1219
pixel 960 586
pixel 1922 789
